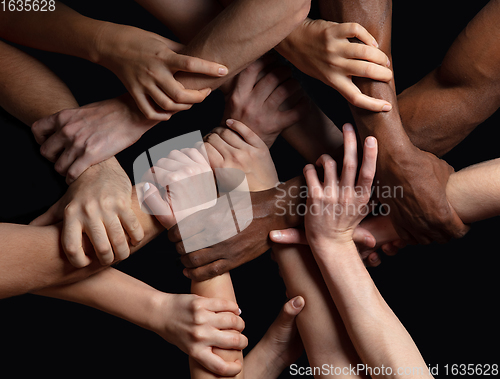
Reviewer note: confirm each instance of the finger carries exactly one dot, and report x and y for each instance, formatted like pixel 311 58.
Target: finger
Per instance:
pixel 220 145
pixel 294 115
pixel 368 70
pixel 222 305
pixel 266 86
pixel 353 95
pixel 389 249
pixel 145 105
pixel 350 165
pixel 168 104
pixel 178 156
pixel 66 159
pixel 227 321
pixel 178 94
pixel 366 53
pixel 51 217
pixel 354 30
pixel 248 135
pixel 217 365
pixel 96 232
pixel 229 339
pixel 290 310
pixel 230 137
pixel 132 226
pixel 53 147
pixel 45 127
pixel 116 236
pixel 368 166
pixel 72 242
pixel 364 238
pixel 157 206
pixel 289 236
pixel 214 157
pixel 312 181
pixel 330 172
pixel 79 166
pixel 373 259
pixel 199 66
pixel 200 258
pixel 281 93
pixel 247 78
pixel 196 156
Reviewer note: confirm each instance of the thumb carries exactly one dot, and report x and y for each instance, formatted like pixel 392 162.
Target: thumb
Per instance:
pixel 363 238
pixel 291 309
pixel 51 217
pixel 289 236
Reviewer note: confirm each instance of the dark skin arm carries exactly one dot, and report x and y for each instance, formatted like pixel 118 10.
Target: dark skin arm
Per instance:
pixel 423 214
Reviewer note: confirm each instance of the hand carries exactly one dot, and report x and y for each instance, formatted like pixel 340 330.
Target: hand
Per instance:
pixel 420 212
pixel 76 139
pixel 246 245
pixel 195 324
pixel 335 208
pixel 279 347
pixel 258 98
pixel 146 64
pixel 322 50
pixel 240 148
pixel 98 204
pixel 189 183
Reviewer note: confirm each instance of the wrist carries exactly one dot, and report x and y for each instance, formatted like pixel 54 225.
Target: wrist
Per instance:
pixel 287 46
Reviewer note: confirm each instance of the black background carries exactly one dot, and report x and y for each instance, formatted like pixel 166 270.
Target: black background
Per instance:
pixel 445 295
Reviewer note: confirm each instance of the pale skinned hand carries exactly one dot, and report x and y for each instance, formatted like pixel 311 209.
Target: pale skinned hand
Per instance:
pixel 335 207
pixel 146 64
pixel 98 204
pixel 257 99
pixel 195 324
pixel 240 148
pixel 322 50
pixel 75 139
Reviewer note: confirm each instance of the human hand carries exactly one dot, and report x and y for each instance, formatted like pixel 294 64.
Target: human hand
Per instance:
pixel 146 64
pixel 195 324
pixel 99 204
pixel 341 204
pixel 257 100
pixel 189 186
pixel 238 147
pixel 422 213
pixel 279 347
pixel 76 139
pixel 322 50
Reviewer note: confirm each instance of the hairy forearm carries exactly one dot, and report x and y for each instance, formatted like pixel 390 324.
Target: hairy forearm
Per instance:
pixel 32 256
pixel 361 307
pixel 243 32
pixel 28 89
pixel 62 31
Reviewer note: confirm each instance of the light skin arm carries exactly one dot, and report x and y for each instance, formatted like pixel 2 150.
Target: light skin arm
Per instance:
pixel 29 90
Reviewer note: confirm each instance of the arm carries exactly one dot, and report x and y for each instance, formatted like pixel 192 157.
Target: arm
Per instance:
pixel 28 89
pixel 32 257
pixel 423 214
pixel 357 299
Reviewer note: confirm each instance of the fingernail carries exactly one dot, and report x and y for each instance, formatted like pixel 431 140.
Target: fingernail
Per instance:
pixel 348 127
pixel 387 108
pixel 146 187
pixel 223 71
pixel 374 259
pixel 229 122
pixel 370 142
pixel 239 311
pixel 388 62
pixel 375 43
pixel 297 302
pixel 276 234
pixel 209 90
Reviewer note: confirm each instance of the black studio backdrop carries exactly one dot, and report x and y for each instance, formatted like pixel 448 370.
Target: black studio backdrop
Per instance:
pixel 445 295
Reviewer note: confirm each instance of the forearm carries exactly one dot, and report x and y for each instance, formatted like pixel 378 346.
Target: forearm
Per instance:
pixel 62 31
pixel 113 292
pixel 28 89
pixel 321 329
pixel 361 307
pixel 32 256
pixel 219 287
pixel 243 32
